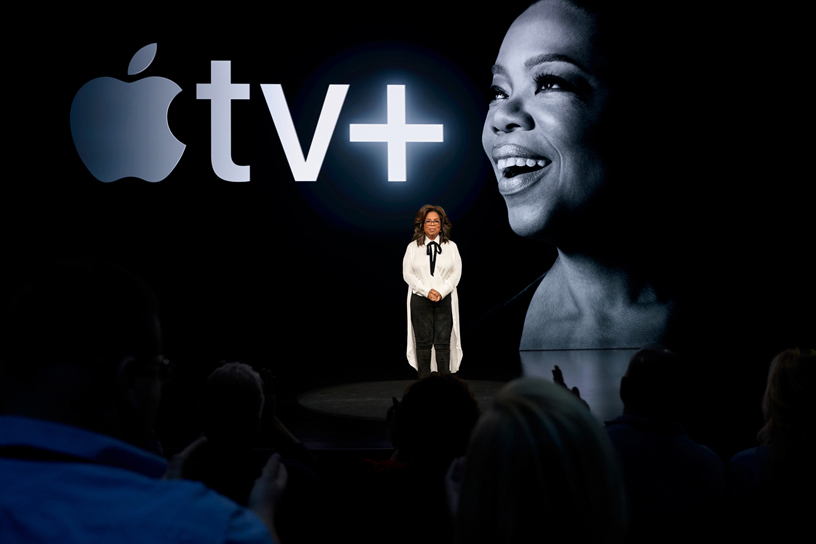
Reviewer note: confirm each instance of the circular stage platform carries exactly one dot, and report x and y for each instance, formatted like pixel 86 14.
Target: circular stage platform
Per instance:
pixel 371 400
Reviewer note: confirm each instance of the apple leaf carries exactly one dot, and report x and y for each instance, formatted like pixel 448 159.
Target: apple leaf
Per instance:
pixel 142 59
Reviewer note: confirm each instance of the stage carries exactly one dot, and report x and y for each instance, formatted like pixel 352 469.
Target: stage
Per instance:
pixel 352 415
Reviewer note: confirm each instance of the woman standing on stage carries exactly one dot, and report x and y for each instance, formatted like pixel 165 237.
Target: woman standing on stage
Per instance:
pixel 432 268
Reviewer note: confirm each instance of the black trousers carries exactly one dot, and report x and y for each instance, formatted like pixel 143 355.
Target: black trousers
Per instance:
pixel 433 323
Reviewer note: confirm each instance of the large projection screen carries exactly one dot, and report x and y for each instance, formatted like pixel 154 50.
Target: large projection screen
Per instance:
pixel 262 173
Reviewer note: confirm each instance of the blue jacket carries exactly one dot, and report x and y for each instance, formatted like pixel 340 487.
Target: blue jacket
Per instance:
pixel 65 484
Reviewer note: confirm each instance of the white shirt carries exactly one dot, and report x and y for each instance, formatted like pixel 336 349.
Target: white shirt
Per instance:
pixel 416 268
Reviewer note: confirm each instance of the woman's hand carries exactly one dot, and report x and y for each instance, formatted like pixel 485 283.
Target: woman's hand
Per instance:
pixel 434 296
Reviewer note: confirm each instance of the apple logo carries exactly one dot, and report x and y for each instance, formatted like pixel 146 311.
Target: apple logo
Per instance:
pixel 120 129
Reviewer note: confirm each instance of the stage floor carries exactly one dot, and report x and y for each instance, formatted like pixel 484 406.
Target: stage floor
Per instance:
pixel 352 415
pixel 371 400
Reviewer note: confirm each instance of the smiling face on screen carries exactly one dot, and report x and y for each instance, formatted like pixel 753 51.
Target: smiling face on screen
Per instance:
pixel 539 134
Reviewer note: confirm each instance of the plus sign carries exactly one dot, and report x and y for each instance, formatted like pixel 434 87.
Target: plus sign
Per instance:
pixel 396 133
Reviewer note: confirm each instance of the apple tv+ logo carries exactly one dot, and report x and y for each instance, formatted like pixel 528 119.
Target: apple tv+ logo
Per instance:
pixel 120 129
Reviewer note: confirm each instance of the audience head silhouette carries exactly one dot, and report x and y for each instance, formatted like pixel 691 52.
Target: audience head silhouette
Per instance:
pixel 654 384
pixel 789 407
pixel 671 481
pixel 539 464
pixel 233 402
pixel 789 404
pixel 434 420
pixel 769 485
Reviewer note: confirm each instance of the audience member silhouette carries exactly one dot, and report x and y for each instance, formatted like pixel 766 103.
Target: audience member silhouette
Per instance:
pixel 80 384
pixel 231 408
pixel 432 424
pixel 771 486
pixel 539 467
pixel 238 412
pixel 404 497
pixel 675 486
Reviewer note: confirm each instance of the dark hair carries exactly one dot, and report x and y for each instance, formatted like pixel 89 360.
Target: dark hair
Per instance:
pixel 790 430
pixel 655 384
pixel 790 399
pixel 435 419
pixel 419 223
pixel 85 312
pixel 233 401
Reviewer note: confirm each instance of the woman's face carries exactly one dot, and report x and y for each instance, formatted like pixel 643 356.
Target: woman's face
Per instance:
pixel 540 126
pixel 432 225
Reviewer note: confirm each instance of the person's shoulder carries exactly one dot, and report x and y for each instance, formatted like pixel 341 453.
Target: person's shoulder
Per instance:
pixel 80 494
pixel 706 460
pixel 748 471
pixel 616 425
pixel 752 458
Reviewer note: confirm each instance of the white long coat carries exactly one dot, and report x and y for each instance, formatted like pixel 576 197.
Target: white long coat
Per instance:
pixel 447 272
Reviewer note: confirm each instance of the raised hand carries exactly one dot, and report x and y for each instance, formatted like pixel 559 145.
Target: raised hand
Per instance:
pixel 558 377
pixel 453 484
pixel 267 492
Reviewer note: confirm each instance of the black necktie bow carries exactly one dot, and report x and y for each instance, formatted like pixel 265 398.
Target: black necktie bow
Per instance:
pixel 432 253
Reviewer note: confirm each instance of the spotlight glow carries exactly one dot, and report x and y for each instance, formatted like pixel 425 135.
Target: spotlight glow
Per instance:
pixel 396 133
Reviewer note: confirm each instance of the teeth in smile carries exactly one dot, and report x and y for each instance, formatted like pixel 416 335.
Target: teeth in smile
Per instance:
pixel 518 161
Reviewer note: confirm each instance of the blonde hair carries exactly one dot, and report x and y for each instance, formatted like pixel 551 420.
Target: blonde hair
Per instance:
pixel 539 463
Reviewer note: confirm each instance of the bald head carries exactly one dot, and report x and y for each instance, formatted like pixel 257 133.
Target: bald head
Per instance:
pixel 654 383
